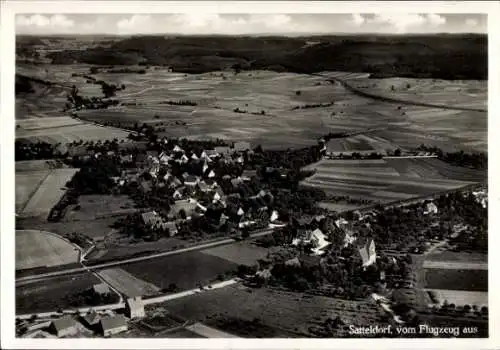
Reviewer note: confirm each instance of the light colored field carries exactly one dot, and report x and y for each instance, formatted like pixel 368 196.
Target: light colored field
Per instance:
pixel 48 193
pixel 338 207
pixel 239 253
pixel 27 184
pixel 460 297
pixel 385 180
pixel 67 134
pixel 34 165
pixel 42 123
pixel 39 248
pixel 128 284
pixel 275 93
pixel 208 332
pixel 455 265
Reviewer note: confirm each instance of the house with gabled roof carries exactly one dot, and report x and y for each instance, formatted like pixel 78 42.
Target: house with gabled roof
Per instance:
pixel 211 183
pixel 110 325
pixel 191 180
pixel 367 252
pixel 91 319
pixel 247 175
pixel 204 169
pixel 177 149
pixel 218 195
pixel 64 326
pixel 174 182
pixel 211 174
pixel 134 307
pixel 179 193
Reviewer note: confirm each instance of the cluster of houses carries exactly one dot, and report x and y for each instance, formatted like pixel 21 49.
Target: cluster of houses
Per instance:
pixel 193 195
pixel 103 322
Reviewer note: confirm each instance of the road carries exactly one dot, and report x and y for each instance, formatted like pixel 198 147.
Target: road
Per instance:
pixel 121 304
pixel 408 157
pixel 141 258
pixel 362 93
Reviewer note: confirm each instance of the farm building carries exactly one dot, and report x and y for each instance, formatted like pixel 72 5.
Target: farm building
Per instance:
pixel 179 193
pixel 187 205
pixel 151 218
pixel 64 326
pixel 209 153
pixel 174 182
pixel 191 180
pixel 247 175
pixel 211 174
pixel 430 208
pixel 368 253
pixel 101 289
pixel 241 146
pixel 134 307
pixel 177 149
pixel 222 150
pixel 172 228
pixel 236 182
pixel 91 319
pixel 218 195
pixel 110 325
pixel 274 216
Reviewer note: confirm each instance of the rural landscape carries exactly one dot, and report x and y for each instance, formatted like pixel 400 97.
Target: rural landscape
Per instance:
pixel 251 186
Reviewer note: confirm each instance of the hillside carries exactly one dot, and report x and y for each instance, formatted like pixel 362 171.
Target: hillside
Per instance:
pixel 430 56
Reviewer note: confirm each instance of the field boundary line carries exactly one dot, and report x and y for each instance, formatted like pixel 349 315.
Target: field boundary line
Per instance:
pixel 35 190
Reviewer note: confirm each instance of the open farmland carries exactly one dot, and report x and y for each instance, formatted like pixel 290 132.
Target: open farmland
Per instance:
pixel 186 270
pixel 52 294
pixel 455 279
pixel 388 180
pixel 239 253
pixel 27 183
pixel 71 132
pixel 456 93
pixel 280 313
pixel 259 106
pixel 49 191
pixel 127 284
pixel 37 165
pixel 39 248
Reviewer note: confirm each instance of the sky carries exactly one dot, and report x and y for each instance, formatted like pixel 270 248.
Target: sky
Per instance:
pixel 283 24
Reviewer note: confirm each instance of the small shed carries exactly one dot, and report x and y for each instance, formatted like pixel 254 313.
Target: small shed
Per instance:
pixel 134 307
pixel 110 325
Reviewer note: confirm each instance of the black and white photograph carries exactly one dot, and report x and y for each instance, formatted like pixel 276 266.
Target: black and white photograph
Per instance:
pixel 239 175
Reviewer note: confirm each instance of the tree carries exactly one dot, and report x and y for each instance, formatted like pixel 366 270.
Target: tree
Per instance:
pixel 397 152
pixel 298 92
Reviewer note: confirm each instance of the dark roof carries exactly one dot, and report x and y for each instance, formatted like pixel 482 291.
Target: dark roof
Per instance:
pixel 222 149
pixel 190 178
pixel 112 322
pixel 92 317
pixel 249 173
pixel 64 323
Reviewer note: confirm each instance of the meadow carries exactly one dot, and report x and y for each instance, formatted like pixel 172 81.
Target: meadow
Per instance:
pixel 456 279
pixel 239 253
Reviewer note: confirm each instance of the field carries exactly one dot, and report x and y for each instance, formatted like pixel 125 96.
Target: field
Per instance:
pixel 460 297
pixel 64 130
pixel 127 284
pixel 259 106
pixel 387 180
pixel 239 253
pixel 472 93
pixel 185 270
pixel 27 184
pixel 36 165
pixel 38 248
pixel 51 294
pixel 457 256
pixel 40 191
pixel 454 279
pixel 93 207
pixel 279 313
